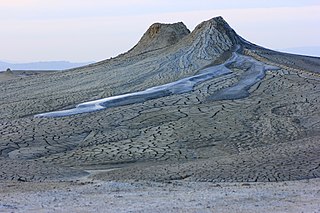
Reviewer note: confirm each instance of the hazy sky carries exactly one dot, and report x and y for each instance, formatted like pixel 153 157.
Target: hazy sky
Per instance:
pixel 87 30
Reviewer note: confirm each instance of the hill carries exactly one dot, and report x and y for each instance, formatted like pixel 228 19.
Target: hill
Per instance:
pixel 205 105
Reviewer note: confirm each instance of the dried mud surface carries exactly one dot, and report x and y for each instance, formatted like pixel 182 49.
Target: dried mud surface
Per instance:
pixel 270 135
pixel 261 135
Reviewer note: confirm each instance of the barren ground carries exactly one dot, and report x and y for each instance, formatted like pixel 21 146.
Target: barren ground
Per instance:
pixel 209 149
pixel 176 196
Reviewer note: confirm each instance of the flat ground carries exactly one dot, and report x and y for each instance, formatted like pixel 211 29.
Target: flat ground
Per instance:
pixel 177 196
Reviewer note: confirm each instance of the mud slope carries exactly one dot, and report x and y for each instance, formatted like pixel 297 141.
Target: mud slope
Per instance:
pixel 240 113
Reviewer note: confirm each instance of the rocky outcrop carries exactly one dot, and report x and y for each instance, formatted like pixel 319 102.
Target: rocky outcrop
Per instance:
pixel 159 36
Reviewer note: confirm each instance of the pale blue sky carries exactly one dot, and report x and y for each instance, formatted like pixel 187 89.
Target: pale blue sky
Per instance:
pixel 86 30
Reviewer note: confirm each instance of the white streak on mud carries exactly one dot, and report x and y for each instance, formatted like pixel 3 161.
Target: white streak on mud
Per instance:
pixel 255 73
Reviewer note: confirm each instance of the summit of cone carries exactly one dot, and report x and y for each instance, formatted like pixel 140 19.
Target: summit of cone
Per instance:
pixel 159 36
pixel 216 25
pixel 182 51
pixel 214 33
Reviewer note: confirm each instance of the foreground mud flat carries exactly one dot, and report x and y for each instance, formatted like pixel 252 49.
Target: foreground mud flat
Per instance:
pixel 175 196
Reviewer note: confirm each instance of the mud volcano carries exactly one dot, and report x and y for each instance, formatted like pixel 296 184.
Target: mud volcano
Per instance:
pixel 205 105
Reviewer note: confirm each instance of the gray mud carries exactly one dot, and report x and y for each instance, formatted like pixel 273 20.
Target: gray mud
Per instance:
pixel 254 74
pixel 178 87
